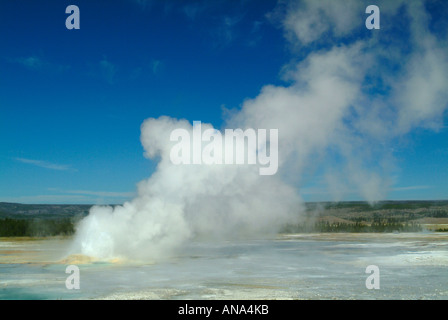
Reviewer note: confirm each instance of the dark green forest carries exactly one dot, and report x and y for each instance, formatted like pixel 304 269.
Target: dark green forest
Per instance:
pixel 325 226
pixel 36 227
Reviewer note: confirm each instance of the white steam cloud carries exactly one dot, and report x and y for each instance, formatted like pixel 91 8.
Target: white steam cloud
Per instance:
pixel 347 101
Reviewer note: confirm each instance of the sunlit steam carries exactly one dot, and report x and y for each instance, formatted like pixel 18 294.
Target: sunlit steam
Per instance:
pixel 337 108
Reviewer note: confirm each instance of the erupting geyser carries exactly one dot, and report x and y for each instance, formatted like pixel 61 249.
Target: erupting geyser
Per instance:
pixel 327 110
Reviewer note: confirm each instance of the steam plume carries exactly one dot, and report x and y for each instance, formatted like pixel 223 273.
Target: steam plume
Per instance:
pixel 345 105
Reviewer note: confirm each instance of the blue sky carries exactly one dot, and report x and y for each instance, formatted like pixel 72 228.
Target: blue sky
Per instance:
pixel 72 101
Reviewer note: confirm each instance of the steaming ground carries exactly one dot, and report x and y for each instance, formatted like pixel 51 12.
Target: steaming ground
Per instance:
pixel 178 204
pixel 296 266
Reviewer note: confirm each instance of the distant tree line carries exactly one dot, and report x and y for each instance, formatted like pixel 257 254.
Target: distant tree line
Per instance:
pixel 377 226
pixel 36 227
pixel 438 214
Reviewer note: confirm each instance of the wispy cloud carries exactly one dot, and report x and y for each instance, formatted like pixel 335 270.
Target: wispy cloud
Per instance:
pixel 106 194
pixel 108 70
pixel 156 66
pixel 314 191
pixel 45 164
pixel 58 196
pixel 49 199
pixel 226 32
pixel 323 191
pixel 192 10
pixel 143 3
pixel 32 62
pixel 411 188
pixel 37 63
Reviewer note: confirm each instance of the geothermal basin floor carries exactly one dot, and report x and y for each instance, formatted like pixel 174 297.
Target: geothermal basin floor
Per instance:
pixel 294 266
